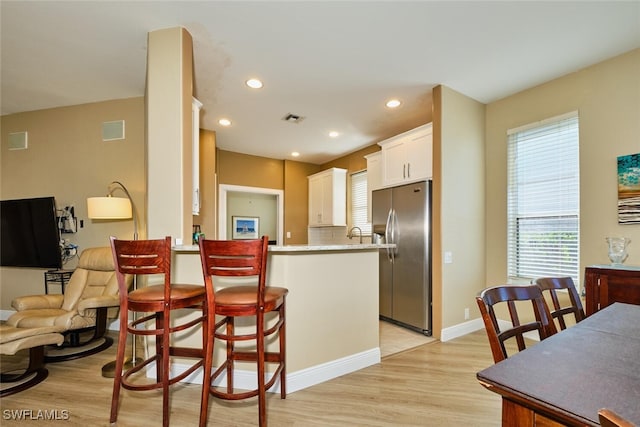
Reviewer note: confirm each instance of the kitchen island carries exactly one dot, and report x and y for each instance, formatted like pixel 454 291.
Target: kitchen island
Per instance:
pixel 332 308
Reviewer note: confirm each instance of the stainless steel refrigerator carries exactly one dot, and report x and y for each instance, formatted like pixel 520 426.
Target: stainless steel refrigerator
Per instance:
pixel 402 215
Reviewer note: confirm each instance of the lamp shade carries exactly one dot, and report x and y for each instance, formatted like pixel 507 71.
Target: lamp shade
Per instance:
pixel 109 208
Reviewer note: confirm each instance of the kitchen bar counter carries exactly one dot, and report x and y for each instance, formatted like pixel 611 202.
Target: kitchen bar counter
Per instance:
pixel 332 308
pixel 306 248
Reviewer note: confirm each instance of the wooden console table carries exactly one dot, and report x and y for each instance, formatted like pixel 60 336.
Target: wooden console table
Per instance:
pixel 606 284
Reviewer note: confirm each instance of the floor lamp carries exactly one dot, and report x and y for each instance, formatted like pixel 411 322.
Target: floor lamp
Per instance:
pixel 109 208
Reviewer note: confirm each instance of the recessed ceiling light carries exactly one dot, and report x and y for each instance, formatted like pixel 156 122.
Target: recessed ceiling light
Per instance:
pixel 334 134
pixel 393 103
pixel 225 122
pixel 295 154
pixel 254 83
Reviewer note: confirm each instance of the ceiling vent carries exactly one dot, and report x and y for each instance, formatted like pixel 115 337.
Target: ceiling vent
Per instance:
pixel 293 118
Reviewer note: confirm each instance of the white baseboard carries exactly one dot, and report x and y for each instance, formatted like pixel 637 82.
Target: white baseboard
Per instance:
pixel 461 329
pixel 477 324
pixel 298 380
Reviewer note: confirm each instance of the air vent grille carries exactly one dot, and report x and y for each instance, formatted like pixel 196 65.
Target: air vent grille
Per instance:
pixel 293 118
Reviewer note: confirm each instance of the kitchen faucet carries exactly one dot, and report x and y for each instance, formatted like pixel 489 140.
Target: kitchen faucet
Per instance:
pixel 350 235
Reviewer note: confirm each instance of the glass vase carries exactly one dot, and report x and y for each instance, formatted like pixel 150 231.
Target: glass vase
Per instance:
pixel 618 249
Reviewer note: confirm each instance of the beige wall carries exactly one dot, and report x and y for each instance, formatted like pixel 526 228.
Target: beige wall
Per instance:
pixel 249 171
pixel 296 200
pixel 286 175
pixel 607 97
pixel 263 206
pixel 458 206
pixel 352 162
pixel 66 158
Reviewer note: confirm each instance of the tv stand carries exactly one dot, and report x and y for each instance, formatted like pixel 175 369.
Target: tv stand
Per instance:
pixel 56 277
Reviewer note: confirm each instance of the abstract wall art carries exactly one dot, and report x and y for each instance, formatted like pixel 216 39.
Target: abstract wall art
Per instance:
pixel 629 189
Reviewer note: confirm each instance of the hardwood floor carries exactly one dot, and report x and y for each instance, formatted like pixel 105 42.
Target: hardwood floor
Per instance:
pixel 430 385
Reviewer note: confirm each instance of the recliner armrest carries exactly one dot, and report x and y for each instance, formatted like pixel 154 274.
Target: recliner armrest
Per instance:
pixel 31 302
pixel 97 302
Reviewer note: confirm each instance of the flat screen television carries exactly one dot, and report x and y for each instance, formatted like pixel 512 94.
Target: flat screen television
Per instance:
pixel 29 234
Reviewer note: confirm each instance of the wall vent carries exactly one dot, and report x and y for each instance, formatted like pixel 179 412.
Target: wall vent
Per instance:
pixel 293 118
pixel 112 131
pixel 18 141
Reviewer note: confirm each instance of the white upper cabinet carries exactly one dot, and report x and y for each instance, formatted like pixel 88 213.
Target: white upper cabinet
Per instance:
pixel 407 157
pixel 328 198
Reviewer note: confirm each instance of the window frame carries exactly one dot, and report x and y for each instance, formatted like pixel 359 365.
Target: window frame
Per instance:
pixel 554 251
pixel 358 203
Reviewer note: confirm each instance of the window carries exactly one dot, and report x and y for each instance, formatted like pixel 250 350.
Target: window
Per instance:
pixel 543 211
pixel 359 198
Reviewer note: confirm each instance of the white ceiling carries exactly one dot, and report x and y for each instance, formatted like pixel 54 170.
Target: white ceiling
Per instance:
pixel 333 62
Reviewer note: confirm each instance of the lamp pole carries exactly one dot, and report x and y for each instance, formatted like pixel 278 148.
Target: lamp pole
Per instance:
pixel 134 212
pixel 108 370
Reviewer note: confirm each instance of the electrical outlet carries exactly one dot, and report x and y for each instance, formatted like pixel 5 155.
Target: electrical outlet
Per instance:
pixel 466 314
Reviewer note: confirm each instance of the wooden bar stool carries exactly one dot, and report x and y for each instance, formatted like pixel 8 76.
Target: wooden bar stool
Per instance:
pixel 242 259
pixel 148 257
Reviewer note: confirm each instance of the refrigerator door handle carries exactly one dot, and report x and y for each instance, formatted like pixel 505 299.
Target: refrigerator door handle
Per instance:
pixel 388 234
pixel 395 231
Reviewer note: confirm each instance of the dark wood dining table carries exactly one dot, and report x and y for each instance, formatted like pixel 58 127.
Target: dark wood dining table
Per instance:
pixel 566 378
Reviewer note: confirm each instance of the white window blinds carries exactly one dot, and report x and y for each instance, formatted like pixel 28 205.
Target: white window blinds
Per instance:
pixel 359 198
pixel 544 199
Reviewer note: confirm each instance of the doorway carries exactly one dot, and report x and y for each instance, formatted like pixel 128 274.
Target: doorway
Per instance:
pixel 395 339
pixel 266 204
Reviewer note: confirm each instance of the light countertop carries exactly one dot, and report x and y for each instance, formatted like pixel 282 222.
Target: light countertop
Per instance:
pixel 329 247
pixel 305 248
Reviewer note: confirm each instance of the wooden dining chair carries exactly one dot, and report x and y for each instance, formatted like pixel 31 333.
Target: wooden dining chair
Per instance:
pixel 552 285
pixel 157 302
pixel 242 259
pixel 609 418
pixel 510 294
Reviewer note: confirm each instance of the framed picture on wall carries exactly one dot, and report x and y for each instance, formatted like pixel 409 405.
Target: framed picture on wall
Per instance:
pixel 629 189
pixel 245 227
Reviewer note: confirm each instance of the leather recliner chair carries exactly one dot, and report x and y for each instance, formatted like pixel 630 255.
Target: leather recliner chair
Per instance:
pixel 84 307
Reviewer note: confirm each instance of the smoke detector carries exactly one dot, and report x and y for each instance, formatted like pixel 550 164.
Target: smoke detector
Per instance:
pixel 293 118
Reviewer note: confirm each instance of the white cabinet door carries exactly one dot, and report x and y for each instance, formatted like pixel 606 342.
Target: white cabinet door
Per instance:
pixel 315 200
pixel 327 198
pixel 407 157
pixel 418 150
pixel 394 167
